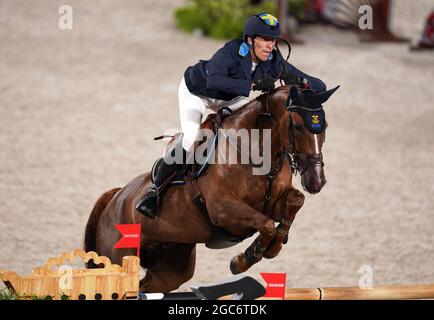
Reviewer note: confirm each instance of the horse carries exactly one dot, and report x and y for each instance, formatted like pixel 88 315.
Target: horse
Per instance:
pixel 236 202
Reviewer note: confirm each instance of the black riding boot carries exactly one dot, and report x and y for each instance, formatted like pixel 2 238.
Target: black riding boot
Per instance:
pixel 148 205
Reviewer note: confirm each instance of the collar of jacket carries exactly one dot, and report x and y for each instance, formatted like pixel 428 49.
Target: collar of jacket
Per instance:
pixel 245 49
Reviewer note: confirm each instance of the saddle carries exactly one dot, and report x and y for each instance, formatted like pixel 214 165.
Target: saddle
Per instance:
pixel 194 170
pixel 189 175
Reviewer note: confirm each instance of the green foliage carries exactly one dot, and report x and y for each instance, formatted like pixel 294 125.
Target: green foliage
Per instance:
pixel 41 298
pixel 296 8
pixel 220 19
pixel 6 295
pixel 64 296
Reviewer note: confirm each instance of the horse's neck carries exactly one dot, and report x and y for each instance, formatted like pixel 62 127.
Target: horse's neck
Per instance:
pixel 242 118
pixel 253 108
pixel 245 118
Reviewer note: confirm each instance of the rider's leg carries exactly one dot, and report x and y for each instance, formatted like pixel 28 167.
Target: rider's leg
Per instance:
pixel 172 162
pixel 191 109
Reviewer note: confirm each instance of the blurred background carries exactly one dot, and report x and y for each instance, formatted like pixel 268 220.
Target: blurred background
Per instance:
pixel 82 99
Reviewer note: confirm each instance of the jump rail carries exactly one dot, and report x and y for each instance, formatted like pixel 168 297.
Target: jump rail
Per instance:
pixel 425 291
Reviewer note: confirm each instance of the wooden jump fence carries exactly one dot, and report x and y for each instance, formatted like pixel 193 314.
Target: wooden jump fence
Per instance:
pixel 122 282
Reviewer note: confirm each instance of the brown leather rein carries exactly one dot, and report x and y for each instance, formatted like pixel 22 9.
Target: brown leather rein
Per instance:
pixel 299 162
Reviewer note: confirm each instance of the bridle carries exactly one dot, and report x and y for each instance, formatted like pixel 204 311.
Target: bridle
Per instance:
pixel 300 162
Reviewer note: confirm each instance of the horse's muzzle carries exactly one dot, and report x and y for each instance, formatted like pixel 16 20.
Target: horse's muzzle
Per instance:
pixel 313 180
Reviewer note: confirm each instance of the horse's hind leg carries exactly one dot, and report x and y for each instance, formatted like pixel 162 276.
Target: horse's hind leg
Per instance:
pixel 171 265
pixel 292 203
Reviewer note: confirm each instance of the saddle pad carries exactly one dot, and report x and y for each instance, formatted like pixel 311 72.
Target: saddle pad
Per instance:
pixel 199 169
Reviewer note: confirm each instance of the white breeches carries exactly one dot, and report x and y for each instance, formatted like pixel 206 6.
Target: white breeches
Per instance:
pixel 192 109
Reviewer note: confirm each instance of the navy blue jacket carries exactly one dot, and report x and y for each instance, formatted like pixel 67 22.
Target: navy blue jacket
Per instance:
pixel 228 74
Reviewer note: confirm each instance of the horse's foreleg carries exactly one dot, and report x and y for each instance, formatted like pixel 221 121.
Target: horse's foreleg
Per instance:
pixel 293 202
pixel 234 216
pixel 253 254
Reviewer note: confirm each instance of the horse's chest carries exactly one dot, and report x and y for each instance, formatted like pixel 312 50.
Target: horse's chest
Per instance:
pixel 279 186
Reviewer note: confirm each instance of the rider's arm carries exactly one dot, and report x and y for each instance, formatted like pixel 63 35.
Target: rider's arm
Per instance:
pixel 314 83
pixel 218 76
pixel 279 65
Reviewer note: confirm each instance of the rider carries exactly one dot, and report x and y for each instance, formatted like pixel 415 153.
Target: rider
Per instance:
pixel 226 81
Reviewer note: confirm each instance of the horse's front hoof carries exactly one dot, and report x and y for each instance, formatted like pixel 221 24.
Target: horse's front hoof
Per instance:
pixel 238 264
pixel 234 265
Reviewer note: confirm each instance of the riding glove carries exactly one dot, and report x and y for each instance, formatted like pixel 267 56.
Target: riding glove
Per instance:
pixel 264 84
pixel 291 79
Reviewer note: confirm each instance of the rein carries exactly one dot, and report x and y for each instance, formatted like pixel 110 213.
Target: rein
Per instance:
pixel 218 124
pixel 299 162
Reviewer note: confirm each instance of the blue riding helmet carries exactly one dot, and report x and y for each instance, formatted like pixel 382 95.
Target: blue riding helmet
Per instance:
pixel 263 24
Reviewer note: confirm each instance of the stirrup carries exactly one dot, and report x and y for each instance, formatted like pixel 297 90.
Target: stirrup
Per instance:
pixel 148 205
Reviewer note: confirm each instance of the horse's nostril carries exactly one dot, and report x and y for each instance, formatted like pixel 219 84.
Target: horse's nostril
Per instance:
pixel 313 184
pixel 321 186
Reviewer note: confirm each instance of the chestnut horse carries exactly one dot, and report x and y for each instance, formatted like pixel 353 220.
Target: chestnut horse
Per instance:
pixel 237 201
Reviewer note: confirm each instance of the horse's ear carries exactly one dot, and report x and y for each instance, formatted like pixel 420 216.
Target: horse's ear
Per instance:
pixel 308 98
pixel 324 96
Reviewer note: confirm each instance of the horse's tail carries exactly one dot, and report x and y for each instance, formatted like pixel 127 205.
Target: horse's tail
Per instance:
pixel 92 223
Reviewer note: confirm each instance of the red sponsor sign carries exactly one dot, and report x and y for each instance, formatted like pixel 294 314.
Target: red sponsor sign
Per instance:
pixel 276 283
pixel 130 236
